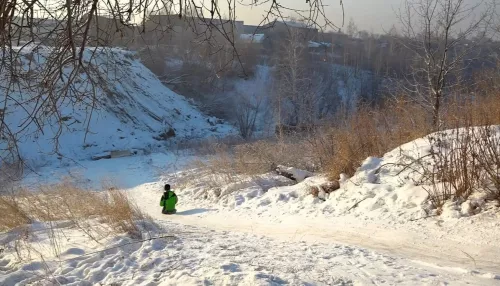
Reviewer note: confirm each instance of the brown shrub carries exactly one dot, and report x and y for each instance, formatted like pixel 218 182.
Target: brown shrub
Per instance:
pixel 330 187
pixel 313 190
pixel 67 202
pixel 369 132
pixel 341 147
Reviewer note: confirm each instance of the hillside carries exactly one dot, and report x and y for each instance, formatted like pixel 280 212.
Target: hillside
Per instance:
pixel 131 108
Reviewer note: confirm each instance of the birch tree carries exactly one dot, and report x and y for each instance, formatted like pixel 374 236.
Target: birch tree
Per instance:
pixel 439 34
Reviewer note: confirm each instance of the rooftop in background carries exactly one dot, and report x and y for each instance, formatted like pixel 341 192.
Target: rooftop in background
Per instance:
pixel 252 38
pixel 295 24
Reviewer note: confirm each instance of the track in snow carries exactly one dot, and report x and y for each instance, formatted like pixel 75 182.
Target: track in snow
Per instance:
pixel 317 250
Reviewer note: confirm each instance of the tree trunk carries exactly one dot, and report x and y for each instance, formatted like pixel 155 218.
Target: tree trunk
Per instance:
pixel 435 115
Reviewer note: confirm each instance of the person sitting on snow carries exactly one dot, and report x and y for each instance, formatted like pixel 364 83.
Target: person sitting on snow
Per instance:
pixel 168 201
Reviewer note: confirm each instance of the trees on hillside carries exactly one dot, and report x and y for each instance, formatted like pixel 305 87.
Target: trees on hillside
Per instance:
pixel 294 96
pixel 442 35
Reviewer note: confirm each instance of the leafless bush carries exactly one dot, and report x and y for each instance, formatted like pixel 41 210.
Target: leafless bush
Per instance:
pixel 488 150
pixel 453 172
pixel 462 161
pixel 9 174
pixel 246 111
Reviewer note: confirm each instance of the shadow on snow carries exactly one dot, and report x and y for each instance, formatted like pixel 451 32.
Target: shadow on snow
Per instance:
pixel 194 211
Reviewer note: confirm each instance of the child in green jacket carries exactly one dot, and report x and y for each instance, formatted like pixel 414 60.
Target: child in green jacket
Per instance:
pixel 168 201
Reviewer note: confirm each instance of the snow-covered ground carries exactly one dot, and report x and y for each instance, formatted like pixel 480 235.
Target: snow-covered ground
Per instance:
pixel 193 255
pixel 376 229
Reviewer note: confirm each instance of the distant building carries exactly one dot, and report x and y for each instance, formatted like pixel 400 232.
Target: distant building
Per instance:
pixel 39 29
pixel 106 31
pixel 253 29
pixel 304 30
pixel 175 23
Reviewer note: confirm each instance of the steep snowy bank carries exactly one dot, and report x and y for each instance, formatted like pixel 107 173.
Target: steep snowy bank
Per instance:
pixel 132 108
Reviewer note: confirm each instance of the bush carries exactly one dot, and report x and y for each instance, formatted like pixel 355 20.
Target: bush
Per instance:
pixel 461 162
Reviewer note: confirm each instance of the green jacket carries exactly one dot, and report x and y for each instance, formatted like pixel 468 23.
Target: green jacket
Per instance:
pixel 168 201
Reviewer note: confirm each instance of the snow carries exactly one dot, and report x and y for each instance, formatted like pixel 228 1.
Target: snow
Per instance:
pixel 192 255
pixel 252 38
pixel 312 44
pixel 377 228
pixel 133 108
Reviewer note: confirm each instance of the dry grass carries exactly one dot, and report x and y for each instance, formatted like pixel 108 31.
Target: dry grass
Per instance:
pixel 67 202
pixel 370 131
pixel 331 148
pixel 257 157
pixel 327 188
pixel 373 131
pixel 464 161
pixel 313 191
pixel 340 147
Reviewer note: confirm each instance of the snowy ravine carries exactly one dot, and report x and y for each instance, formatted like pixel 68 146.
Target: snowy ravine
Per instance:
pixel 376 229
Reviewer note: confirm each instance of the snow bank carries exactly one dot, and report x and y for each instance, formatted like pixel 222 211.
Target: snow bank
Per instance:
pixel 133 108
pixel 381 189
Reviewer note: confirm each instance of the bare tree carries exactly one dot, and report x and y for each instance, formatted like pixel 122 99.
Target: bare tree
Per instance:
pixel 297 86
pixel 351 29
pixel 247 109
pixel 292 81
pixel 439 34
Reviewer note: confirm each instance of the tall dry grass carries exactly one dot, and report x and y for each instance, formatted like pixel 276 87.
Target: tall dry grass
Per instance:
pixel 68 202
pixel 341 146
pixel 462 161
pixel 371 131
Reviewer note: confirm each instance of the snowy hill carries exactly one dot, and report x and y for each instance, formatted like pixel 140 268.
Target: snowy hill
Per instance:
pixel 132 108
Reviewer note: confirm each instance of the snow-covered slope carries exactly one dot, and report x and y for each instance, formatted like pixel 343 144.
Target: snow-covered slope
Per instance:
pixel 388 188
pixel 132 107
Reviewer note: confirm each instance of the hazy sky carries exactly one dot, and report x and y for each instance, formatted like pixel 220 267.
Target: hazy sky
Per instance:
pixel 369 15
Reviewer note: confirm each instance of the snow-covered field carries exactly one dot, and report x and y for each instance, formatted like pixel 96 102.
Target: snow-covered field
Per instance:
pixel 377 229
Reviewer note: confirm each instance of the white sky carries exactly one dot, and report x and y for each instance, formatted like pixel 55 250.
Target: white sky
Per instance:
pixel 376 16
pixel 369 15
